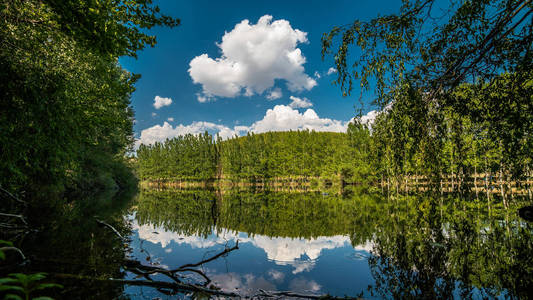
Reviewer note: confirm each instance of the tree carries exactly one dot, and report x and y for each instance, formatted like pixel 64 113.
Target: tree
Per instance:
pixel 435 51
pixel 439 70
pixel 65 112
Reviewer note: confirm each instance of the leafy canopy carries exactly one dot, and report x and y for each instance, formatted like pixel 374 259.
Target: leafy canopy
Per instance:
pixel 435 49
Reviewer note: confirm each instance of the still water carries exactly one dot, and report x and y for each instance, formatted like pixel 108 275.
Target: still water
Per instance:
pixel 349 243
pixel 327 243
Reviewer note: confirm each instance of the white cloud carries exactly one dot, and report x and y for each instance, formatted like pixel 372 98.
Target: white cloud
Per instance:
pixel 242 284
pixel 279 118
pixel 275 94
pixel 170 119
pixel 154 115
pixel 301 254
pixel 331 71
pixel 160 133
pixel 253 57
pixel 371 116
pixel 303 285
pixel 300 102
pixel 161 101
pixel 276 275
pixel 285 118
pixel 317 75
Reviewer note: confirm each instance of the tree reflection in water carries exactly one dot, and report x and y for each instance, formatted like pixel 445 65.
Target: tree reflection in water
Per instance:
pixel 422 246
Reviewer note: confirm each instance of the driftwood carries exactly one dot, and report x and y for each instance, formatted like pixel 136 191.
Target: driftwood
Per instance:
pixel 227 250
pixel 20 217
pixel 174 286
pixel 110 227
pixel 15 249
pixel 140 269
pixel 12 197
pixel 289 294
pixel 11 224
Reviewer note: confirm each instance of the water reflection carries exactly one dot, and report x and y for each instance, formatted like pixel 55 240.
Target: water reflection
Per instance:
pixel 299 253
pixel 406 247
pixel 68 240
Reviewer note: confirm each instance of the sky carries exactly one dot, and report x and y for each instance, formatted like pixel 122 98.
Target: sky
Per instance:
pixel 234 67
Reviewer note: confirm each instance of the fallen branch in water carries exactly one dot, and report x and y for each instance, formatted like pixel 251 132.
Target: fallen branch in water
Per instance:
pixel 11 248
pixel 20 217
pixel 226 251
pixel 140 269
pixel 110 227
pixel 13 197
pixel 174 286
pixel 285 294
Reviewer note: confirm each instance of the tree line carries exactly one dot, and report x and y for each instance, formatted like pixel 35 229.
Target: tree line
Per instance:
pixel 271 155
pixel 473 150
pixel 411 143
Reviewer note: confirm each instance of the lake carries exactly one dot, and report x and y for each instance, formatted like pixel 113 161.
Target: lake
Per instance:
pixel 338 243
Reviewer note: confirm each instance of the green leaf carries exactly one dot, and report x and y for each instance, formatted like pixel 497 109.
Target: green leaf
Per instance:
pixel 7 280
pixel 12 297
pixel 11 288
pixel 6 243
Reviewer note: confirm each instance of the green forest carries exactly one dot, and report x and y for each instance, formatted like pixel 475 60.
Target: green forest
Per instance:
pixel 459 154
pixel 253 157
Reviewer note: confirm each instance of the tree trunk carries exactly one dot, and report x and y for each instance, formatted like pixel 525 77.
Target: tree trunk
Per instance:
pixel 475 181
pixel 501 188
pixel 509 186
pixel 441 188
pixel 528 183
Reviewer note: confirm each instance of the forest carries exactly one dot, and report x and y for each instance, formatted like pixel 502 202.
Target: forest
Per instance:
pixel 460 153
pixel 252 157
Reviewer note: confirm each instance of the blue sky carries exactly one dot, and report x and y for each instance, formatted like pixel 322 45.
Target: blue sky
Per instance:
pixel 219 71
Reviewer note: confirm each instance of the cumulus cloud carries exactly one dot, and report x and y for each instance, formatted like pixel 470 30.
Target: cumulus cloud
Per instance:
pixel 300 102
pixel 253 57
pixel 371 116
pixel 285 118
pixel 160 133
pixel 170 119
pixel 331 71
pixel 304 285
pixel 275 94
pixel 317 75
pixel 279 118
pixel 161 101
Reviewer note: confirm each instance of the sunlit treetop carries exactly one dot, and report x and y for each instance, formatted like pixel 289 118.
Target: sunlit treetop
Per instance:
pixel 109 27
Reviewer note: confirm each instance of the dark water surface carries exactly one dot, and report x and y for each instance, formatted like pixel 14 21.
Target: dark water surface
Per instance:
pixel 313 243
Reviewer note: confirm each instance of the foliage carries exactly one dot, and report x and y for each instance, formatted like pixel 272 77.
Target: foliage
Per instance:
pixel 4 243
pixel 18 284
pixel 65 116
pixel 435 48
pixel 455 88
pixel 271 155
